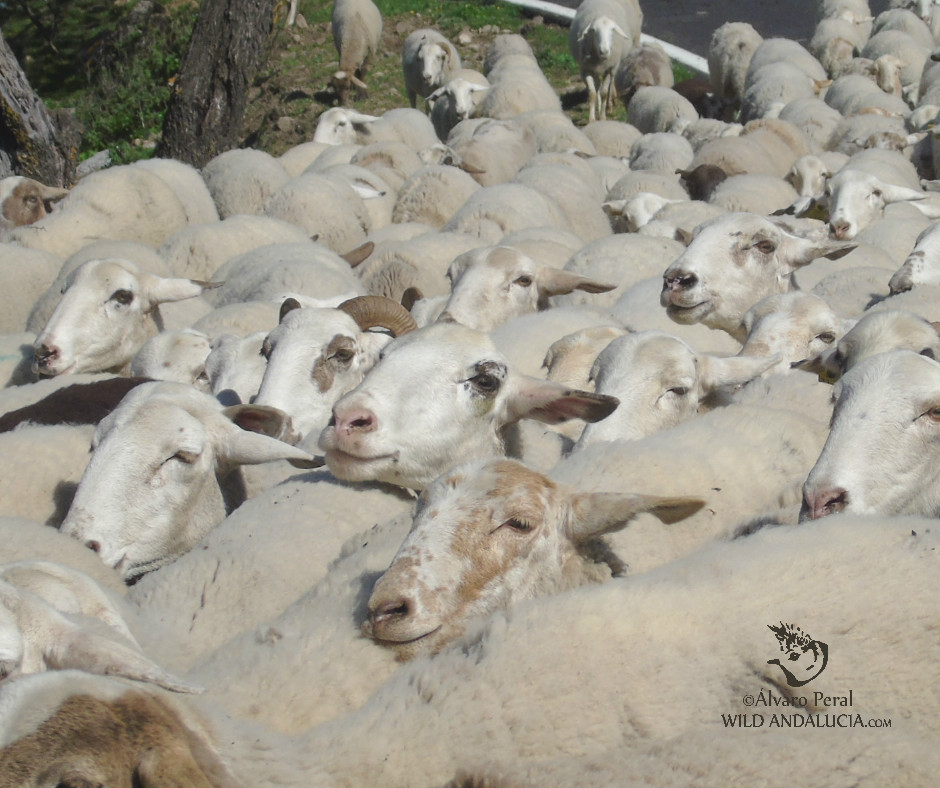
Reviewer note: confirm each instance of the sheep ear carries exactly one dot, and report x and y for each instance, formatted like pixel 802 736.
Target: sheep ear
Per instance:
pixel 595 514
pixel 288 306
pixel 263 419
pixel 557 281
pixel 251 448
pixel 73 647
pixel 619 31
pixel 808 244
pixel 552 403
pixel 892 193
pixel 715 372
pixel 161 290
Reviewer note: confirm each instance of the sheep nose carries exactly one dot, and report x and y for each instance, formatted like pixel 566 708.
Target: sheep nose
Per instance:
pixel 680 281
pixel 46 353
pixel 901 282
pixel 94 545
pixel 839 229
pixel 818 504
pixel 384 615
pixel 446 317
pixel 358 420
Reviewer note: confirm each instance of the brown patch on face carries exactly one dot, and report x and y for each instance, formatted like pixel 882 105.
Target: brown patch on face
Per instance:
pixel 24 205
pixel 136 740
pixel 518 494
pixel 334 359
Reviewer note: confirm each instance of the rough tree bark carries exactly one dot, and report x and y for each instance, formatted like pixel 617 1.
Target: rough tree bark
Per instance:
pixel 32 141
pixel 205 112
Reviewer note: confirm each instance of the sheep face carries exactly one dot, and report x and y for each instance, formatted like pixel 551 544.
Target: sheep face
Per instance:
pixel 793 327
pixel 492 285
pixel 660 382
pixel 857 198
pixel 733 262
pixel 107 312
pixel 153 486
pixel 235 367
pixel 314 357
pixel 882 455
pixel 24 201
pixel 438 396
pixel 341 126
pixel 922 265
pixel 486 535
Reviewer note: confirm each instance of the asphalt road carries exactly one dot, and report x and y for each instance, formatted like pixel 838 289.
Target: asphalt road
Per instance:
pixel 689 23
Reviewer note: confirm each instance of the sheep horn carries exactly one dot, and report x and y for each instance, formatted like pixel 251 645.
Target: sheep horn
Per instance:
pixel 372 311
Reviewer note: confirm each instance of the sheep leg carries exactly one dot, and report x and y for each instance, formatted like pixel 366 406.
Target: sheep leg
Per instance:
pixel 592 97
pixel 603 99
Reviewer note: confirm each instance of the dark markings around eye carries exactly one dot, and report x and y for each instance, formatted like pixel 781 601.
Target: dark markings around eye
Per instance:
pixel 487 379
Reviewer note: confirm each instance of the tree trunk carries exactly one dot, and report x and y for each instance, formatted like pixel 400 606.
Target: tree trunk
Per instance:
pixel 32 141
pixel 205 112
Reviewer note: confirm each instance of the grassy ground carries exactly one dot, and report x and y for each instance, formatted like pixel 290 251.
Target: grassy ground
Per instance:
pixel 115 62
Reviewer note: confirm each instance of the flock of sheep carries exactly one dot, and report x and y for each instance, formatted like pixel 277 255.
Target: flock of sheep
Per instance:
pixel 471 446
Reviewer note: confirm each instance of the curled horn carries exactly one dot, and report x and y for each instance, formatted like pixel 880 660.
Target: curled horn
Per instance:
pixel 371 311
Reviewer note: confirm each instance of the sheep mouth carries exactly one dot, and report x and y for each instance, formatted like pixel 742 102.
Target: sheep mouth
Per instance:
pixel 354 467
pixel 404 641
pixel 49 370
pixel 689 314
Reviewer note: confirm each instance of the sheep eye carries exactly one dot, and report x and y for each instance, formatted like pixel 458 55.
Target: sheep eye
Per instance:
pixel 679 391
pixel 123 297
pixel 933 414
pixel 767 247
pixel 520 526
pixel 826 336
pixel 343 355
pixel 485 383
pixel 523 281
pixel 929 353
pixel 184 456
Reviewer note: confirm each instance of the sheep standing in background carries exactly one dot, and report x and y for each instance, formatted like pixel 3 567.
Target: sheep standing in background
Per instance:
pixel 357 29
pixel 428 60
pixel 601 32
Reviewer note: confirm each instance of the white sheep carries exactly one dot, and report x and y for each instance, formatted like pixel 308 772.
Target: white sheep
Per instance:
pixel 761 194
pixel 474 391
pixel 491 212
pixel 577 193
pixel 490 285
pixel 611 137
pixel 174 355
pixel 48 618
pixel 662 151
pixel 428 59
pixel 660 381
pixel 338 126
pixel 172 450
pixel 109 308
pixel 27 273
pixel 433 194
pixel 911 55
pixel 733 262
pixel 729 54
pixel 600 34
pixel 242 179
pixel 656 108
pixel 357 31
pixel 922 265
pixel 456 100
pixel 392 160
pixel 492 151
pixel 517 85
pixel 881 453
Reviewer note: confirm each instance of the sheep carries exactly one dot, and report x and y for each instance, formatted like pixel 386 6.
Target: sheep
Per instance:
pixel 644 65
pixel 792 327
pixel 612 138
pixel 577 194
pixel 767 146
pixel 601 32
pixel 187 184
pixel 491 212
pixel 170 449
pixel 835 42
pixel 537 537
pixel 372 437
pixel 52 612
pixel 628 216
pixel 881 453
pixel 197 251
pixel 555 132
pixel 174 355
pixel 815 118
pixel 427 59
pixel 809 176
pixel 663 151
pixel 433 194
pixel 317 355
pixel 26 273
pixel 761 194
pixel 357 31
pixel 702 181
pixel 616 626
pixel 707 103
pixel 859 192
pixel 132 202
pixel 24 201
pixel 517 85
pixel 678 220
pixel 242 179
pixel 658 108
pixel 757 254
pixel 268 272
pixel 659 381
pixel 875 332
pixel 910 53
pixel 456 100
pixel 340 126
pixel 774 84
pixel 490 285
pixel 729 54
pixel 109 308
pixel 922 265
pixel 494 151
